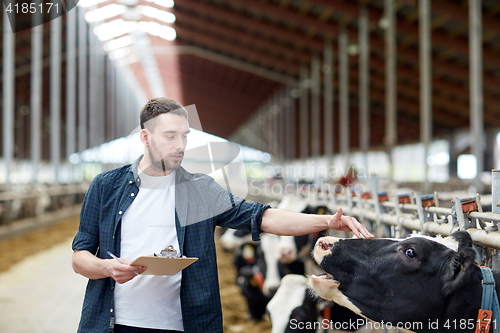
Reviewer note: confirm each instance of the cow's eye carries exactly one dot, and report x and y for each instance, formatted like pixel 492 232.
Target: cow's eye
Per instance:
pixel 410 253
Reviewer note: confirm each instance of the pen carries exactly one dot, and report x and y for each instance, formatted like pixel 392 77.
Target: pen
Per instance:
pixel 115 257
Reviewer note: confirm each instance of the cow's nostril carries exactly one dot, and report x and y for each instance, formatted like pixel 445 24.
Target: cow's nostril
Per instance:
pixel 324 245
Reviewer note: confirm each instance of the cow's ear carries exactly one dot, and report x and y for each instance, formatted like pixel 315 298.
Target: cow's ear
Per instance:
pixel 458 270
pixel 463 238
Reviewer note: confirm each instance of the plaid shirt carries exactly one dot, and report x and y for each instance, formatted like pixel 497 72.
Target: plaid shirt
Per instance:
pixel 201 204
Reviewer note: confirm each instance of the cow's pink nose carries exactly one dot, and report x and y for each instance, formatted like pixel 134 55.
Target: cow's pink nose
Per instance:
pixel 324 245
pixel 285 254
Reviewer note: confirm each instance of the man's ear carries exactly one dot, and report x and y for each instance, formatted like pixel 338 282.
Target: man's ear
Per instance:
pixel 458 270
pixel 144 135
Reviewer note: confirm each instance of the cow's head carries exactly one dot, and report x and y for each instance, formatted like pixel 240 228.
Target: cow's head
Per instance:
pixel 395 280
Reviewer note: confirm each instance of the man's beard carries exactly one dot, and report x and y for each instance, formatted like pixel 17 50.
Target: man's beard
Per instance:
pixel 162 165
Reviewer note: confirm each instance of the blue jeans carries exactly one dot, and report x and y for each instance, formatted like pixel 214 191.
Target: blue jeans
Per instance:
pixel 130 329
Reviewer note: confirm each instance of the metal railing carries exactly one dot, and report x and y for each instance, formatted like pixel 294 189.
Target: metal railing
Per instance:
pixel 23 202
pixel 432 220
pixel 388 214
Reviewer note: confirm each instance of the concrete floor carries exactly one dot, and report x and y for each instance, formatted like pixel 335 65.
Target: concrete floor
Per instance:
pixel 42 294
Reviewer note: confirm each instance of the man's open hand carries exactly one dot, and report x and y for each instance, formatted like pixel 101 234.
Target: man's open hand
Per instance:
pixel 347 223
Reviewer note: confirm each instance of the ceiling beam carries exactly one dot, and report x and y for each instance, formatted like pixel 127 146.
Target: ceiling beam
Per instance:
pixel 457 12
pixel 454 90
pixel 237 51
pixel 216 117
pixel 240 107
pixel 239 85
pixel 352 9
pixel 443 68
pixel 245 22
pixel 409 106
pixel 460 46
pixel 440 67
pixel 297 19
pixel 242 37
pixel 224 60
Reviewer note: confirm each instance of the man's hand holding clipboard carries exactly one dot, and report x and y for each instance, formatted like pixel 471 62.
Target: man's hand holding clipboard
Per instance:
pixel 168 262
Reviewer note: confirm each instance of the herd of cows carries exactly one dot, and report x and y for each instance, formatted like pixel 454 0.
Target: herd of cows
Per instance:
pixel 272 275
pixel 315 283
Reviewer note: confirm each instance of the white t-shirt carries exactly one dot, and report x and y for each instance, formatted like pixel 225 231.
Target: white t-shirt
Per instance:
pixel 148 226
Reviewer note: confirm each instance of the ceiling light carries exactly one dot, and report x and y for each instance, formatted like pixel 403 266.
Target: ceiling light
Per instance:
pixel 158 14
pixel 156 29
pixel 383 23
pixel 120 53
pixel 89 3
pixel 105 12
pixel 132 14
pixel 118 43
pixel 353 49
pixel 113 29
pixel 163 3
pixel 128 2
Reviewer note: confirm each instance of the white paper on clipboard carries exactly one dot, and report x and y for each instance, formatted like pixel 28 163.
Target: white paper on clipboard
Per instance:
pixel 162 265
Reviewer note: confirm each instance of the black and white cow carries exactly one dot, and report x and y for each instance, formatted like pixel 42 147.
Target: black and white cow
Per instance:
pixel 232 239
pixel 293 309
pixel 258 276
pixel 261 266
pixel 418 283
pixel 251 288
pixel 291 305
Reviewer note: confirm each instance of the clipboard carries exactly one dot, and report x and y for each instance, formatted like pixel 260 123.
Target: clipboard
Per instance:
pixel 162 265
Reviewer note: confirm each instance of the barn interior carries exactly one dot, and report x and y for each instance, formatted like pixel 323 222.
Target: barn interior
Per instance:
pixel 345 101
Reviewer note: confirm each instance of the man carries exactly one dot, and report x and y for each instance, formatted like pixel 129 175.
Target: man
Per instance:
pixel 141 208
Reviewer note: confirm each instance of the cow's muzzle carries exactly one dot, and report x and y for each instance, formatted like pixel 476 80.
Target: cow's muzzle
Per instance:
pixel 322 247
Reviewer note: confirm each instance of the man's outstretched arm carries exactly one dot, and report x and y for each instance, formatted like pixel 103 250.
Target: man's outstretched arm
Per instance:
pixel 287 223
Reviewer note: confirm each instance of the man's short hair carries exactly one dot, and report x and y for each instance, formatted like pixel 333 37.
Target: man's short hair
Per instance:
pixel 158 106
